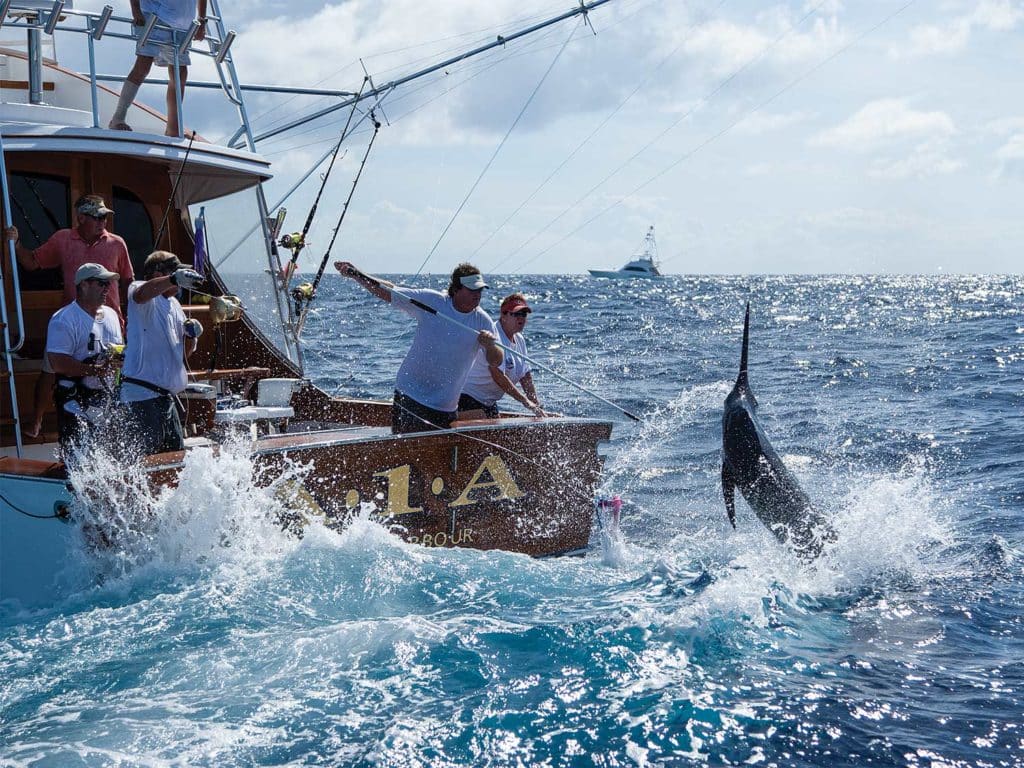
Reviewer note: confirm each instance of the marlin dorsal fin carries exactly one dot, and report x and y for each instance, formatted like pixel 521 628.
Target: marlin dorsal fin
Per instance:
pixel 741 380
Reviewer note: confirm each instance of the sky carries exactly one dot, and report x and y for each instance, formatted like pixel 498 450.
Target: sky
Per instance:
pixel 819 136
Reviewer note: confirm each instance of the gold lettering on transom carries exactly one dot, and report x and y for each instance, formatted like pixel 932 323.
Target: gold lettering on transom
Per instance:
pixel 501 479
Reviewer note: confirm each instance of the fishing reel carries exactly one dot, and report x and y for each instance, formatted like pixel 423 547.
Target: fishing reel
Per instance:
pixel 293 241
pixel 302 295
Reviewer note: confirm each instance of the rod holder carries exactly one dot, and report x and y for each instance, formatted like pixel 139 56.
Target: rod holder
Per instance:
pixel 51 22
pixel 190 35
pixel 100 23
pixel 225 46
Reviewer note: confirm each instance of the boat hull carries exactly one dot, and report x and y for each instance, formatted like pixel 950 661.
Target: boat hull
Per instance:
pixel 522 485
pixel 35 543
pixel 617 275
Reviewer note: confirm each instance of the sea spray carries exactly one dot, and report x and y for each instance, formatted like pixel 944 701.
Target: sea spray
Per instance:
pixel 223 507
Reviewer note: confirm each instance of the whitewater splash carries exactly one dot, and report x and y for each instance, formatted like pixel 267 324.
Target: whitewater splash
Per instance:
pixel 224 509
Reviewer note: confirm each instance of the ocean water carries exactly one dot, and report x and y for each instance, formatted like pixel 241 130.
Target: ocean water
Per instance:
pixel 214 639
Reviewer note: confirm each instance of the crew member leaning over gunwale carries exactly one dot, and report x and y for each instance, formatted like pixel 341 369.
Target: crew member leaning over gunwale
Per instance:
pixel 435 368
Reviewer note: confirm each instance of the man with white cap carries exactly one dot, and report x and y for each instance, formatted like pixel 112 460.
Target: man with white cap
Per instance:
pixel 435 368
pixel 88 242
pixel 78 348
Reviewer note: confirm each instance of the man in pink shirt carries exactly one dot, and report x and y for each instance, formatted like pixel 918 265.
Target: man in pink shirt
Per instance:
pixel 88 243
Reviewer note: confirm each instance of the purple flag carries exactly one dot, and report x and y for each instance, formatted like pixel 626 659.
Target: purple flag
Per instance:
pixel 200 258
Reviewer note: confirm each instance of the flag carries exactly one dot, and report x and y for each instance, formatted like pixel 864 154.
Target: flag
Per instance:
pixel 200 258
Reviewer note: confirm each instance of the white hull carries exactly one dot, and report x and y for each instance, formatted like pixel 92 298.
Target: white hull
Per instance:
pixel 34 551
pixel 618 274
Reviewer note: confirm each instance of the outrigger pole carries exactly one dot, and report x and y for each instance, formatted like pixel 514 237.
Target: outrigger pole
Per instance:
pixel 420 305
pixel 583 9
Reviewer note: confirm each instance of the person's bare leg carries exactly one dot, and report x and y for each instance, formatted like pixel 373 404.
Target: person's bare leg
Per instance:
pixel 42 401
pixel 129 90
pixel 172 103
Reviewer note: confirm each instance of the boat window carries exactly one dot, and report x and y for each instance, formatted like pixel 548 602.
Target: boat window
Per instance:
pixel 632 269
pixel 40 205
pixel 132 222
pixel 237 249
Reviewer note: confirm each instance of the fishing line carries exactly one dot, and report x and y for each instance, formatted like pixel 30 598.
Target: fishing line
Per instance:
pixel 430 310
pixel 482 65
pixel 323 262
pixel 174 191
pixel 719 134
pixel 593 133
pixel 404 65
pixel 700 103
pixel 499 147
pixel 301 242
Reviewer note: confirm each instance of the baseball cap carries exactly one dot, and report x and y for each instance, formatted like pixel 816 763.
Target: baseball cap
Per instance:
pixel 514 304
pixel 92 205
pixel 474 282
pixel 163 260
pixel 92 271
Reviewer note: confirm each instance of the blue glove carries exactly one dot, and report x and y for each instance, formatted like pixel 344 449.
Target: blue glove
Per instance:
pixel 186 278
pixel 193 328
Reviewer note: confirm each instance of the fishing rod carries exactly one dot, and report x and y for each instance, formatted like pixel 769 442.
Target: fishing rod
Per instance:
pixel 305 293
pixel 379 283
pixel 297 242
pixel 174 191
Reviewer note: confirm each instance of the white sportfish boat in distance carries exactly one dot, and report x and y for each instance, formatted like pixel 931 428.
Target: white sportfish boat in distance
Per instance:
pixel 518 483
pixel 643 265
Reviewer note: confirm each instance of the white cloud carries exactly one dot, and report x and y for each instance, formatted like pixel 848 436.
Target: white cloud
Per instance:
pixel 767 122
pixel 928 159
pixel 723 47
pixel 955 35
pixel 884 122
pixel 1010 157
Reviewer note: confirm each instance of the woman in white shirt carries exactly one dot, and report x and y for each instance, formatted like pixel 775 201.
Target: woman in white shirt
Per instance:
pixel 487 384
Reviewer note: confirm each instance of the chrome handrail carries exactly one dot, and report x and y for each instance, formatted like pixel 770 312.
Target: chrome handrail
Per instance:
pixel 30 17
pixel 9 350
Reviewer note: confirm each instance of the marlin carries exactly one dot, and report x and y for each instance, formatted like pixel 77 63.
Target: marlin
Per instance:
pixel 750 463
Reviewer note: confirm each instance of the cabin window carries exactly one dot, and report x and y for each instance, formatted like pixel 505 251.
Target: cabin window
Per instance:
pixel 40 206
pixel 132 222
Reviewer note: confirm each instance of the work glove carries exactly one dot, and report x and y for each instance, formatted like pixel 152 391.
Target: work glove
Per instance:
pixel 186 278
pixel 193 328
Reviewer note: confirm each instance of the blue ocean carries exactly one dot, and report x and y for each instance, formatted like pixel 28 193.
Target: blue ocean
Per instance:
pixel 898 402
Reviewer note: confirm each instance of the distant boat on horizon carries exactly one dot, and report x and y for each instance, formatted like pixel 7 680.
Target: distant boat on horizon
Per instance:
pixel 643 264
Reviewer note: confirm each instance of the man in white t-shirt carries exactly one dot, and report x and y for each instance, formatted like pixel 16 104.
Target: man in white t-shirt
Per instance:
pixel 159 341
pixel 487 384
pixel 78 349
pixel 435 368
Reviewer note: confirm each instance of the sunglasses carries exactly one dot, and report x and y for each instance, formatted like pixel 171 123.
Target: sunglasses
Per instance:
pixel 523 313
pixel 97 281
pixel 96 216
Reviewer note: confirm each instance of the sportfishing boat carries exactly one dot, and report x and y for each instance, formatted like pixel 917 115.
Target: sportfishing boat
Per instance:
pixel 523 484
pixel 643 265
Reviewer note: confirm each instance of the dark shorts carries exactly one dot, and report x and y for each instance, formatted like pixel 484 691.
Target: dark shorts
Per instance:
pixel 154 425
pixel 470 403
pixel 73 430
pixel 407 415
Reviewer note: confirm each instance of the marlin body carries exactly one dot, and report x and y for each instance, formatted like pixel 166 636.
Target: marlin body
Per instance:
pixel 750 463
